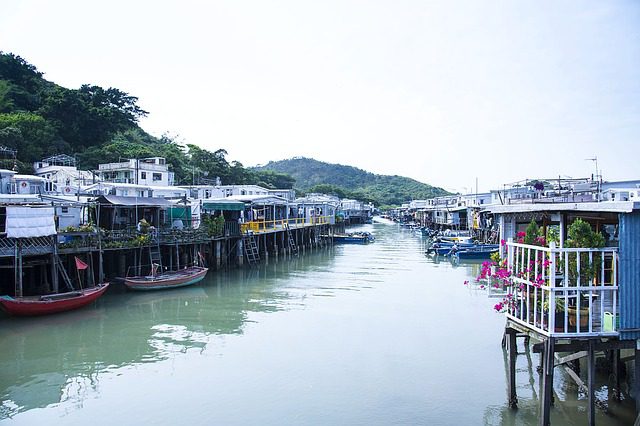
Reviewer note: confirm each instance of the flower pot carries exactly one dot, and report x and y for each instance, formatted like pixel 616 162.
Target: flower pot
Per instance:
pixel 584 317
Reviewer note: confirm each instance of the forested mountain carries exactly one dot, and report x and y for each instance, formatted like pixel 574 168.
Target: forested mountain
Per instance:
pixel 346 181
pixel 39 118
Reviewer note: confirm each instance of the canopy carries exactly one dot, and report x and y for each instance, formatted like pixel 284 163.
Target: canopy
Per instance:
pixel 133 201
pixel 27 222
pixel 223 205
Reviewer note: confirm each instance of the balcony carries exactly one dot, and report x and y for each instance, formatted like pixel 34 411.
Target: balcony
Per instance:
pixel 568 292
pixel 258 226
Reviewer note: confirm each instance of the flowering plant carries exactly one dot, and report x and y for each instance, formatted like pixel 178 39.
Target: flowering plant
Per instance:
pixel 497 272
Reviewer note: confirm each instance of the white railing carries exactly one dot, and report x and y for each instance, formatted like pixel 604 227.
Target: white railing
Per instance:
pixel 562 291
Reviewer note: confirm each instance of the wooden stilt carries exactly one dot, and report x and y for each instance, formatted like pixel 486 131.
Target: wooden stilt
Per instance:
pixel 512 351
pixel 547 381
pixel 636 384
pixel 54 267
pixel 615 367
pixel 18 268
pixel 591 366
pixel 240 252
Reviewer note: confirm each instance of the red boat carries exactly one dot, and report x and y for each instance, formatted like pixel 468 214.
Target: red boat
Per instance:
pixel 168 279
pixel 51 303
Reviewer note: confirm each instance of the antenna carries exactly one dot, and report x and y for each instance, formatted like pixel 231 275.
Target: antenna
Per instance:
pixel 597 175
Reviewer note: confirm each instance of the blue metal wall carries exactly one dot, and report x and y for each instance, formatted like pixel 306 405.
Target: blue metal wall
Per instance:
pixel 629 275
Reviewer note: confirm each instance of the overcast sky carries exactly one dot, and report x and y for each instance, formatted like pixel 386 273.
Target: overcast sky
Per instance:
pixel 440 91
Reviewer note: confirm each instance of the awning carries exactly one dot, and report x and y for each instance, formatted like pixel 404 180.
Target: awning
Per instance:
pixel 223 205
pixel 134 201
pixel 27 222
pixel 180 213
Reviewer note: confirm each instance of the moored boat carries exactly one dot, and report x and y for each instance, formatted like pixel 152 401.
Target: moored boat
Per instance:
pixel 480 251
pixel 169 279
pixel 354 238
pixel 51 303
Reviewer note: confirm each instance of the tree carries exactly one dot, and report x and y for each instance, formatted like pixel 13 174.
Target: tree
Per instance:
pixel 6 103
pixel 213 163
pixel 24 82
pixel 91 115
pixel 327 189
pixel 33 136
pixel 274 180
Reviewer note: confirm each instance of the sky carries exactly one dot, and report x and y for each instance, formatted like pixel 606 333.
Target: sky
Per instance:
pixel 456 94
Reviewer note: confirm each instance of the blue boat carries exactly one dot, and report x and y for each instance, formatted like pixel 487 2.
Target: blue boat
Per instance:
pixel 354 238
pixel 463 250
pixel 480 251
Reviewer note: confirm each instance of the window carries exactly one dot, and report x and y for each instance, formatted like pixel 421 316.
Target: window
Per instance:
pixel 157 177
pixel 143 175
pixel 65 209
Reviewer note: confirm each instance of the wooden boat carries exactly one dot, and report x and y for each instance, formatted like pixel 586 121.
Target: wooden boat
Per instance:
pixel 168 279
pixel 463 250
pixel 354 238
pixel 51 303
pixel 480 251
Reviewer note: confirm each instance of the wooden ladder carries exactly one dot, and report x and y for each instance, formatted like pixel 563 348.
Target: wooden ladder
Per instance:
pixel 155 256
pixel 251 249
pixel 65 277
pixel 293 248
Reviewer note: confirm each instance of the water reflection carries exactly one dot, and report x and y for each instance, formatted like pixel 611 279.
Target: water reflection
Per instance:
pixel 61 358
pixel 380 333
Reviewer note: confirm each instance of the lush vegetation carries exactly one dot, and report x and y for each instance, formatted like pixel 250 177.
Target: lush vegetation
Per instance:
pixel 95 125
pixel 346 181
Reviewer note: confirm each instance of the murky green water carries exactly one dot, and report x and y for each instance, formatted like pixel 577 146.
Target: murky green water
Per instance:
pixel 350 335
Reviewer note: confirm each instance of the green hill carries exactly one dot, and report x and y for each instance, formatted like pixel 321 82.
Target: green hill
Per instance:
pixel 346 181
pixel 39 118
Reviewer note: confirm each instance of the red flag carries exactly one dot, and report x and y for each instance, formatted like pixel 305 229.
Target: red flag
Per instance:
pixel 80 264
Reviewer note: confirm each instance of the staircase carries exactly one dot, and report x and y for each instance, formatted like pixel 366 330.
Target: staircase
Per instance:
pixel 251 249
pixel 293 248
pixel 155 256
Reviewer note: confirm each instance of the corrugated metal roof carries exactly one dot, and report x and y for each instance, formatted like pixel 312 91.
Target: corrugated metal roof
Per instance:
pixel 259 199
pixel 134 201
pixel 629 275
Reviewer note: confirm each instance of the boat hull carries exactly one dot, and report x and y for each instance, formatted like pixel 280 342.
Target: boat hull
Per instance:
pixel 356 238
pixel 173 279
pixel 51 304
pixel 464 254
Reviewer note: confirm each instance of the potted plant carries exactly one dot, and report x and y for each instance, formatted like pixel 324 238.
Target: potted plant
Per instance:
pixel 581 235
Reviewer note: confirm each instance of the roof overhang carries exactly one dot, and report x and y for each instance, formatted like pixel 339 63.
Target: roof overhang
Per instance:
pixel 133 201
pixel 605 206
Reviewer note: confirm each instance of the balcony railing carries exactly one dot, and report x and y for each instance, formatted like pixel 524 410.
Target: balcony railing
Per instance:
pixel 25 246
pixel 562 292
pixel 257 226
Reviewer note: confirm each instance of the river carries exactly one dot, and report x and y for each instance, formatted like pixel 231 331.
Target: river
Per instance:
pixel 374 334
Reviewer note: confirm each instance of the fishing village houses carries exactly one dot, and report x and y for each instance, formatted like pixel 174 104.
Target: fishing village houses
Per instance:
pixel 126 216
pixel 568 279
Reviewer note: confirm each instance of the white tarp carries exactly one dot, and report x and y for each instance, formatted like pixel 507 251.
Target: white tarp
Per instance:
pixel 27 222
pixel 195 215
